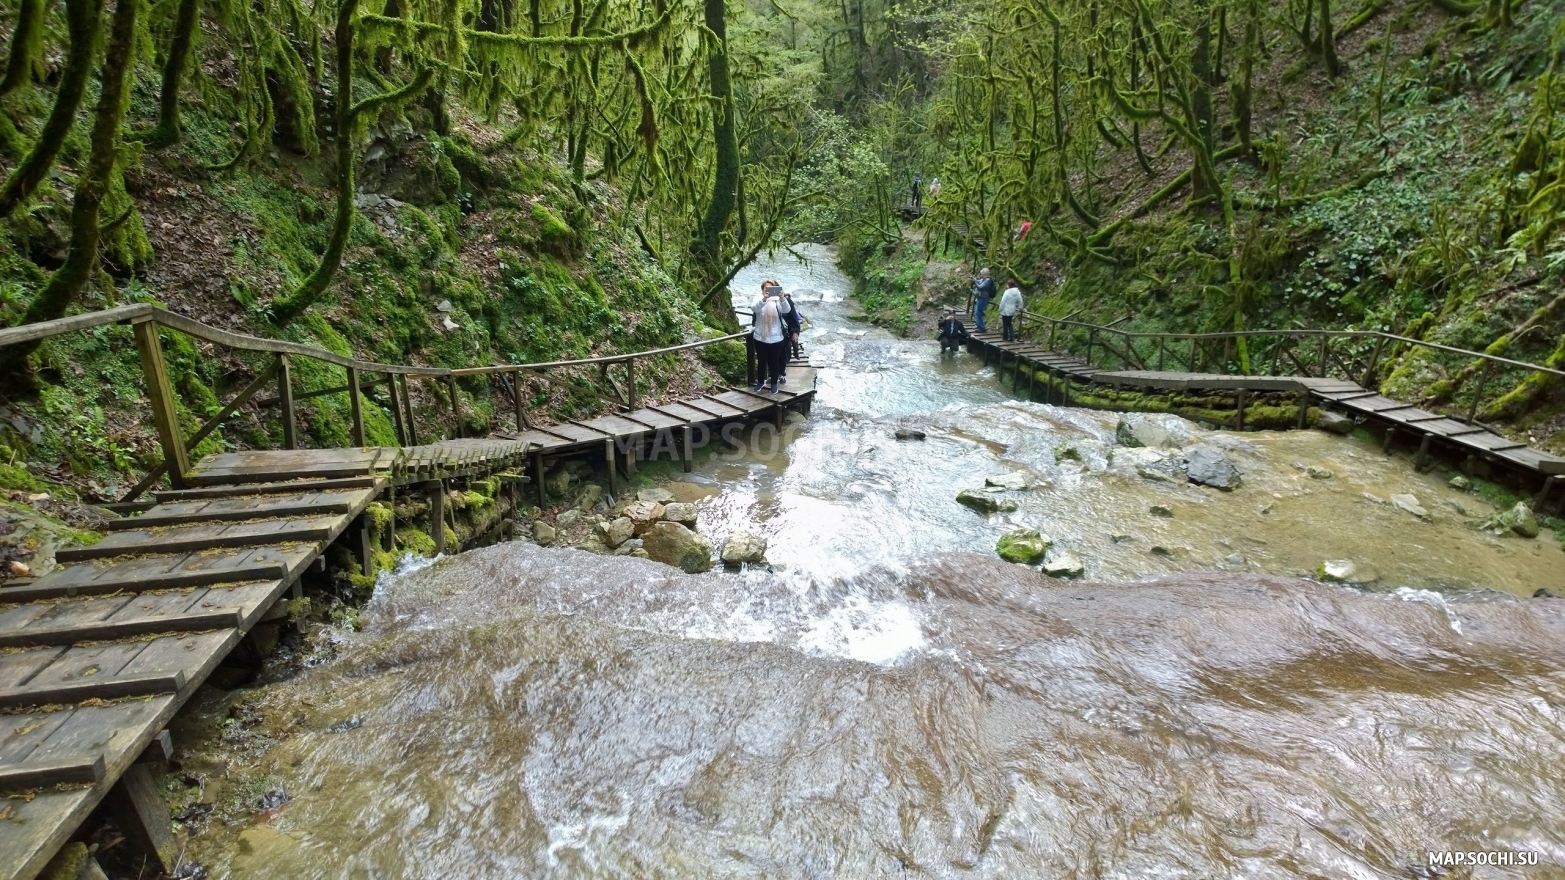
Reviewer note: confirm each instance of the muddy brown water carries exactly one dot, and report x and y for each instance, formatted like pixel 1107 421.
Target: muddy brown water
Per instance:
pixel 893 701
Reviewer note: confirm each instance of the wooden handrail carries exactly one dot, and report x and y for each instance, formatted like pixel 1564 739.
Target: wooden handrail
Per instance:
pixel 606 359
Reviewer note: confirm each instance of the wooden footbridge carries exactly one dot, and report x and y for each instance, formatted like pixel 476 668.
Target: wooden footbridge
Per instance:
pixel 1332 369
pixel 98 655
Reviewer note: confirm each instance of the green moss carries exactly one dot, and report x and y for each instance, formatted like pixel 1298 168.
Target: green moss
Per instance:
pixel 412 540
pixel 476 499
pixel 18 479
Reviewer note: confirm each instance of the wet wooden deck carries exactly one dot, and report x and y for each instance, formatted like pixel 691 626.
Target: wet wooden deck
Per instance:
pixel 1399 419
pixel 98 655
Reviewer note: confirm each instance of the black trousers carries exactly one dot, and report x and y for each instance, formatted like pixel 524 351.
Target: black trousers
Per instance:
pixel 1006 333
pixel 774 359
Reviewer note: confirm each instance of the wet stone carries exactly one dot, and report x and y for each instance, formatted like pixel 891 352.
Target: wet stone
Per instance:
pixel 655 494
pixel 544 533
pixel 1345 571
pixel 615 532
pixel 984 502
pixel 1409 504
pixel 1460 483
pixel 1012 481
pixel 744 548
pixel 1334 423
pixel 673 544
pixel 682 513
pixel 1208 466
pixel 1024 546
pixel 1161 510
pixel 1063 564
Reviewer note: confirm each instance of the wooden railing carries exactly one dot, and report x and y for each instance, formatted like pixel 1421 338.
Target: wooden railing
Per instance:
pixel 146 321
pixel 1357 355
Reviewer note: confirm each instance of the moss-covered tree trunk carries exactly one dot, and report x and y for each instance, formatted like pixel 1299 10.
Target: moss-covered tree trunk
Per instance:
pixel 1328 41
pixel 92 186
pixel 183 40
pixel 26 42
pixel 81 19
pixel 707 249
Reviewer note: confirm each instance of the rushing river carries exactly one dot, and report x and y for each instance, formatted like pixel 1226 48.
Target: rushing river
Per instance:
pixel 893 701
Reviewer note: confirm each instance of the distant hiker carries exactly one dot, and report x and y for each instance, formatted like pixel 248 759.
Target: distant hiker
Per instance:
pixel 1026 228
pixel 983 291
pixel 918 192
pixel 952 332
pixel 934 189
pixel 769 329
pixel 1010 305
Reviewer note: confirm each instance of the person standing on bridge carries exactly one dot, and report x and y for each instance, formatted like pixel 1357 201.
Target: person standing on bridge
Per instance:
pixel 983 291
pixel 769 330
pixel 1010 306
pixel 934 189
pixel 918 193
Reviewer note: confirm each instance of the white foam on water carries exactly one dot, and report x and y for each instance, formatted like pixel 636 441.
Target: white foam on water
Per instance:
pixel 878 632
pixel 1429 597
pixel 578 835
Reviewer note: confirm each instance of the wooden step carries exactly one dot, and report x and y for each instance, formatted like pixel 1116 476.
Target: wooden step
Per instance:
pixel 191 538
pixel 105 687
pixel 243 508
pixel 161 572
pixel 283 488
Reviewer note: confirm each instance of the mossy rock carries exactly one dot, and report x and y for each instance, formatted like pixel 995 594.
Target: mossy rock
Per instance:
pixel 1023 546
pixel 984 502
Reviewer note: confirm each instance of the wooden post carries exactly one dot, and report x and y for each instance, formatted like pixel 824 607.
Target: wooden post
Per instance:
pixel 437 514
pixel 1374 361
pixel 1053 325
pixel 1161 347
pixel 1092 336
pixel 388 541
pixel 1192 363
pixel 1323 339
pixel 396 410
pixel 1483 379
pixel 1032 373
pixel 456 406
pixel 143 816
pixel 516 401
pixel 749 360
pixel 1239 411
pixel 630 382
pixel 609 459
pixel 1228 351
pixel 407 399
pixel 1423 452
pixel 1391 435
pixel 686 453
pixel 1304 407
pixel 285 395
pixel 633 458
pixel 361 530
pixel 161 394
pixel 543 494
pixel 356 407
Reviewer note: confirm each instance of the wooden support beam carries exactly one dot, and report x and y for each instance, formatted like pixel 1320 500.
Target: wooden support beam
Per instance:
pixel 396 412
pixel 285 397
pixel 1304 408
pixel 1423 453
pixel 159 751
pixel 388 541
pixel 143 817
pixel 39 772
pixel 356 407
pixel 630 383
pixel 456 407
pixel 437 514
pixel 360 531
pixel 412 424
pixel 516 401
pixel 686 453
pixel 1239 411
pixel 1391 436
pixel 543 496
pixel 1483 379
pixel 165 412
pixel 609 459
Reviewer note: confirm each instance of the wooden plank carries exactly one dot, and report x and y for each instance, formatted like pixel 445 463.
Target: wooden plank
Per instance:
pixel 737 410
pixel 670 411
pixel 159 572
pixel 616 426
pixel 146 614
pixel 248 508
pixel 19 666
pixel 1343 395
pixel 68 770
pixel 20 735
pixel 1534 460
pixel 1374 404
pixel 192 538
pixel 1448 427
pixel 1411 415
pixel 653 420
pixel 96 688
pixel 278 488
pixel 1488 442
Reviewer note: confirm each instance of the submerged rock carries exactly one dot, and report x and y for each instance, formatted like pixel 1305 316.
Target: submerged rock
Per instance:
pixel 1007 481
pixel 1334 423
pixel 684 514
pixel 655 494
pixel 1147 472
pixel 1024 546
pixel 1409 504
pixel 909 434
pixel 1315 472
pixel 1208 466
pixel 673 544
pixel 616 531
pixel 1063 564
pixel 984 502
pixel 1345 571
pixel 1161 510
pixel 744 548
pixel 1460 483
pixel 1152 429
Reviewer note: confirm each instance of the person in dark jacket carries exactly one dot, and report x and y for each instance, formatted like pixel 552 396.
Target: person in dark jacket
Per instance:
pixel 952 332
pixel 983 292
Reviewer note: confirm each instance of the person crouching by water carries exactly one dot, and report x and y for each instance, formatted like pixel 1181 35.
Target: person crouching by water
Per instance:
pixel 1010 305
pixel 770 330
pixel 953 333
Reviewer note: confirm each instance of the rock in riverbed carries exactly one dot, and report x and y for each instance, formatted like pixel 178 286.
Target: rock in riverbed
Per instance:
pixel 684 514
pixel 1012 480
pixel 745 548
pixel 1332 423
pixel 1063 564
pixel 543 533
pixel 985 502
pixel 616 531
pixel 655 494
pixel 909 434
pixel 1409 504
pixel 1024 546
pixel 1519 519
pixel 1345 571
pixel 673 544
pixel 1151 429
pixel 1208 466
pixel 645 514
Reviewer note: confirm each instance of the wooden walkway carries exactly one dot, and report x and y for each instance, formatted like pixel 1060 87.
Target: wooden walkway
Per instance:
pixel 98 655
pixel 1399 419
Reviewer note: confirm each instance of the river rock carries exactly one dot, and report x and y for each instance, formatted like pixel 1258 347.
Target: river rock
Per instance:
pixel 1545 593
pixel 744 548
pixel 1409 503
pixel 1208 466
pixel 589 497
pixel 568 518
pixel 1151 429
pixel 629 548
pixel 909 434
pixel 673 544
pixel 1063 564
pixel 1460 483
pixel 1147 472
pixel 1161 510
pixel 644 514
pixel 1315 472
pixel 544 533
pixel 682 513
pixel 655 494
pixel 616 531
pixel 1334 423
pixel 1519 519
pixel 985 502
pixel 559 483
pixel 1023 546
pixel 1012 480
pixel 1344 571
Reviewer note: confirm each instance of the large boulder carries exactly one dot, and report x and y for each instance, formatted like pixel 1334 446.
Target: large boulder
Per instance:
pixel 1208 466
pixel 984 502
pixel 682 513
pixel 644 514
pixel 744 548
pixel 673 544
pixel 1024 546
pixel 616 531
pixel 1519 519
pixel 655 494
pixel 1063 564
pixel 1152 429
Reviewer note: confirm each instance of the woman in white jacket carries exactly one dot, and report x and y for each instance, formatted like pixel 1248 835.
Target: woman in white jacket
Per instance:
pixel 769 331
pixel 1010 305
